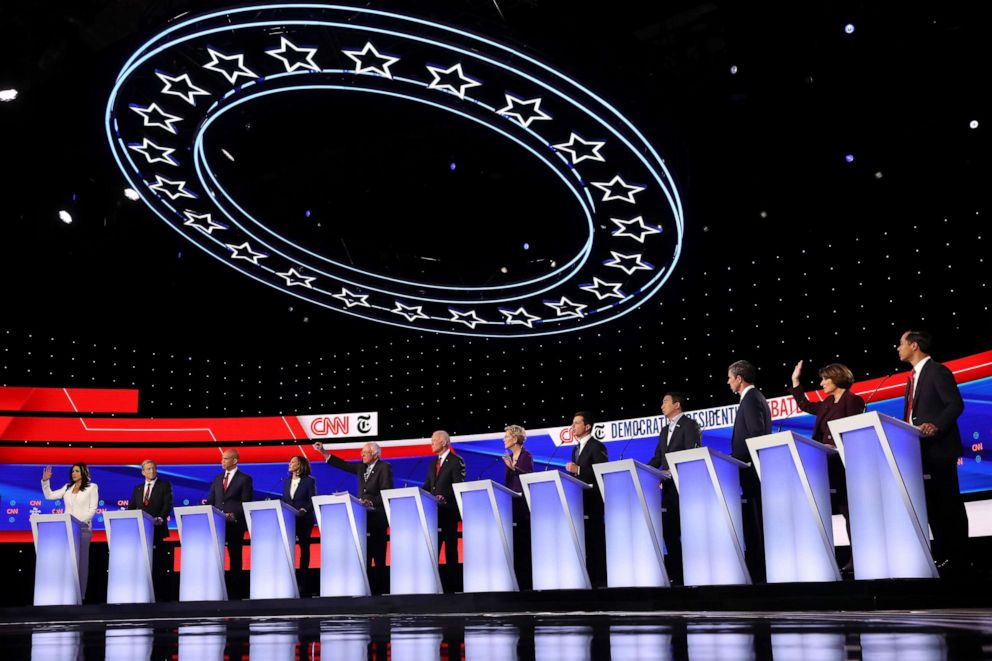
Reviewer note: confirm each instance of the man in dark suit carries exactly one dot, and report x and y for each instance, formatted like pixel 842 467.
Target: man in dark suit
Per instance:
pixel 587 452
pixel 681 433
pixel 154 496
pixel 445 471
pixel 373 475
pixel 933 403
pixel 754 418
pixel 228 493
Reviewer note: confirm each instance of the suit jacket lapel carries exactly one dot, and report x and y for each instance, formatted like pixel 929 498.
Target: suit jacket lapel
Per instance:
pixel 920 380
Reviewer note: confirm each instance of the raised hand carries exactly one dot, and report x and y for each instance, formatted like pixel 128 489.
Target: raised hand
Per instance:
pixel 46 474
pixel 319 447
pixel 795 374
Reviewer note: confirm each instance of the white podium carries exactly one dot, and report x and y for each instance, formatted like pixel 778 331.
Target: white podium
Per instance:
pixel 128 644
pixel 272 529
pixel 130 535
pixel 349 642
pixel 487 535
pixel 709 485
pixel 341 519
pixel 273 641
pixel 56 573
pixel 890 537
pixel 557 530
pixel 635 548
pixel 491 643
pixel 202 642
pixel 412 515
pixel 56 645
pixel 795 501
pixel 201 540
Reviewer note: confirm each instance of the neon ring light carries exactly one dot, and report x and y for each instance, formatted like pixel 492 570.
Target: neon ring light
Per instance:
pixel 172 90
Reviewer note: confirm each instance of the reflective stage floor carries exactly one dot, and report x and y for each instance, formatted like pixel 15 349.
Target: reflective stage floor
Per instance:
pixel 819 636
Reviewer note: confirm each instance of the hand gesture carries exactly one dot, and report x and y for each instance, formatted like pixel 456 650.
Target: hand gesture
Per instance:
pixel 366 502
pixel 928 428
pixel 795 374
pixel 572 468
pixel 441 500
pixel 46 474
pixel 319 447
pixel 507 461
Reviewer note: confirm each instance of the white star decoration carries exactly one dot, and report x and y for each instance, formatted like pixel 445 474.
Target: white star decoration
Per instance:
pixel 202 222
pixel 524 112
pixel 191 92
pixel 608 188
pixel 624 228
pixel 519 316
pixel 303 56
pixel 411 312
pixel 470 318
pixel 623 262
pixel 352 300
pixel 293 278
pixel 598 287
pixel 566 308
pixel 174 189
pixel 220 63
pixel 381 62
pixel 248 254
pixel 457 90
pixel 155 116
pixel 153 153
pixel 579 150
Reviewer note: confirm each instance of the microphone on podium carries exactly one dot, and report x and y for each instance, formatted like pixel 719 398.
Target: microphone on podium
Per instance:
pixel 547 464
pixel 875 391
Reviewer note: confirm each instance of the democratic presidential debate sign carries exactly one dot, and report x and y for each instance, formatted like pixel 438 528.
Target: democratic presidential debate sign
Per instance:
pixel 178 84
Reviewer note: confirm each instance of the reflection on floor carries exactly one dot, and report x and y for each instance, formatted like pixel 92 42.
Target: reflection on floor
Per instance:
pixel 907 636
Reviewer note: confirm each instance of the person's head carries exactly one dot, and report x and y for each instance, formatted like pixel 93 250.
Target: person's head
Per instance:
pixel 80 474
pixel 914 346
pixel 515 435
pixel 835 376
pixel 440 441
pixel 582 423
pixel 672 404
pixel 149 469
pixel 740 375
pixel 372 451
pixel 299 465
pixel 229 459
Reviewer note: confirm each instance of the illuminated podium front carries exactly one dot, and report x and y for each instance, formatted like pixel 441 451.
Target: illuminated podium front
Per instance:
pixel 201 541
pixel 130 535
pixel 487 535
pixel 342 521
pixel 890 536
pixel 557 530
pixel 272 528
pixel 709 484
pixel 56 572
pixel 412 515
pixel 795 505
pixel 635 548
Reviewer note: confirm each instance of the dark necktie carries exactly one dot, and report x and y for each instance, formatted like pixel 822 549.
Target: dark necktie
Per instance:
pixel 911 392
pixel 148 492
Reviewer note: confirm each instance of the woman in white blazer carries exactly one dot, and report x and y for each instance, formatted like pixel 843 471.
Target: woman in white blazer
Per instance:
pixel 81 498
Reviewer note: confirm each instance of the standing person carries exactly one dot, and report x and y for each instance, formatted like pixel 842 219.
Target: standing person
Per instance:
pixel 754 418
pixel 933 404
pixel 154 495
pixel 681 433
pixel 518 461
pixel 80 498
pixel 374 476
pixel 586 453
pixel 836 381
pixel 446 470
pixel 298 492
pixel 228 492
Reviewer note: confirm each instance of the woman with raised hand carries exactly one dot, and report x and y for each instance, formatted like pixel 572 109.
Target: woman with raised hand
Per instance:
pixel 80 497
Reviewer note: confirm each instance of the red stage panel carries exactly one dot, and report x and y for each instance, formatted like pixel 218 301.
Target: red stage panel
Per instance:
pixel 69 400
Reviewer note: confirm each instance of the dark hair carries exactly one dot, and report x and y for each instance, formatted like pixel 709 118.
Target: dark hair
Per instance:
pixel 922 339
pixel 677 397
pixel 745 370
pixel 840 374
pixel 84 474
pixel 586 416
pixel 304 464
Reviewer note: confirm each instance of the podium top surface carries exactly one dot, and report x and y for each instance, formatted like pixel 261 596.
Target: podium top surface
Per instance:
pixel 45 518
pixel 271 504
pixel 696 454
pixel 484 485
pixel 785 438
pixel 127 514
pixel 869 419
pixel 197 509
pixel 621 465
pixel 404 492
pixel 337 498
pixel 552 476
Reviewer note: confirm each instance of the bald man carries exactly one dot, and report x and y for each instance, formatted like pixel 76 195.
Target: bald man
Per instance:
pixel 228 493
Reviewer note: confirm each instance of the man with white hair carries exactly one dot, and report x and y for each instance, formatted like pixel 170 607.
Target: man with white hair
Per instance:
pixel 154 495
pixel 373 476
pixel 445 471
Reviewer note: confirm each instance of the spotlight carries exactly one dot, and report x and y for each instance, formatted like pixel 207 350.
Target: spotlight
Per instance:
pixel 452 167
pixel 878 175
pixel 763 214
pixel 973 124
pixel 8 95
pixel 228 154
pixel 131 194
pixel 526 246
pixel 733 70
pixel 65 217
pixel 503 269
pixel 849 28
pixel 849 158
pixel 307 214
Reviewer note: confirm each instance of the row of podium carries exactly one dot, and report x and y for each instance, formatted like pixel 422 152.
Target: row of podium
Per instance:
pixel 889 530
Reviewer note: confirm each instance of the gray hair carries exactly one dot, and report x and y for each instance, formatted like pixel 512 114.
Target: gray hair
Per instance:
pixel 444 435
pixel 148 461
pixel 518 433
pixel 376 450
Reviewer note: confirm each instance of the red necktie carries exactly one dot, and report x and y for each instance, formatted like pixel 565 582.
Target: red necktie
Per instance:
pixel 148 491
pixel 225 481
pixel 911 387
pixel 437 471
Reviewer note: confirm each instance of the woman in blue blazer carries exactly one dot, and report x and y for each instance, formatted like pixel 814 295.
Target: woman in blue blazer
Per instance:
pixel 298 491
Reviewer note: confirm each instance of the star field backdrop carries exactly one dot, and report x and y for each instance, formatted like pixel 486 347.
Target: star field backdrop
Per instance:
pixel 832 159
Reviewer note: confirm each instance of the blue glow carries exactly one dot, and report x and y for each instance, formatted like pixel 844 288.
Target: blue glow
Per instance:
pixel 849 158
pixel 308 213
pixel 849 28
pixel 526 246
pixel 452 167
